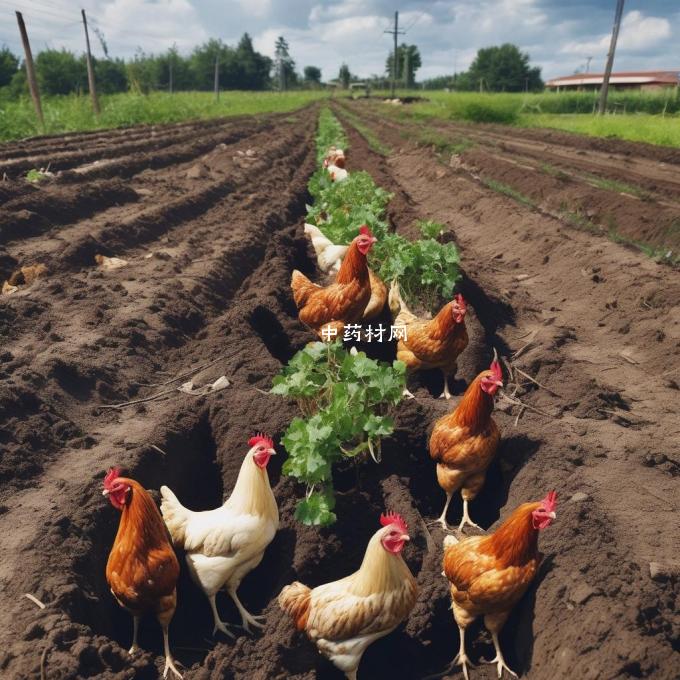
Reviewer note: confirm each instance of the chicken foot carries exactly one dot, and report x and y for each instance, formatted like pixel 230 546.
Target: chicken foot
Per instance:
pixel 442 518
pixel 460 660
pixel 466 518
pixel 169 661
pixel 499 660
pixel 446 394
pixel 247 619
pixel 219 624
pixel 135 630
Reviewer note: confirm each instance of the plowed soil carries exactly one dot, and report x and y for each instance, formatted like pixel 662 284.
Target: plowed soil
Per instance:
pixel 209 216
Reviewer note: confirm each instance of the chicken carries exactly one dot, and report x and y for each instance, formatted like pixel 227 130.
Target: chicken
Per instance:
pixel 334 156
pixel 109 263
pixel 329 258
pixel 328 255
pixel 344 617
pixel 327 310
pixel 464 443
pixel 430 343
pixel 225 544
pixel 337 174
pixel 489 574
pixel 23 277
pixel 142 569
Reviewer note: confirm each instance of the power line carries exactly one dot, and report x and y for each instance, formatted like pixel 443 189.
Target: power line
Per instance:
pixel 414 22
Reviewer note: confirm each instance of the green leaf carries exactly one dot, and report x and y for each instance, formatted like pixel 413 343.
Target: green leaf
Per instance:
pixel 316 509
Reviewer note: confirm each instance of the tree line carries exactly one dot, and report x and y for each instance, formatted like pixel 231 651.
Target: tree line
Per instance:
pixel 240 68
pixel 501 68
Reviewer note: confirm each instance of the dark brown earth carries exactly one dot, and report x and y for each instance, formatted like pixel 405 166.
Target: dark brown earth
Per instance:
pixel 596 323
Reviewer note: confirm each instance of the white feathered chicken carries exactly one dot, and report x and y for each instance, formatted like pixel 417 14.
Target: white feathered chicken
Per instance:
pixel 225 544
pixel 328 255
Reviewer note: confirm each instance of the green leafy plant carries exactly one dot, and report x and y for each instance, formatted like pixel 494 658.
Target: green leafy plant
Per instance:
pixel 345 399
pixel 431 229
pixel 36 176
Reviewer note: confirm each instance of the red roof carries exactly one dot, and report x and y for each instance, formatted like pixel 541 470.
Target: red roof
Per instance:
pixel 670 77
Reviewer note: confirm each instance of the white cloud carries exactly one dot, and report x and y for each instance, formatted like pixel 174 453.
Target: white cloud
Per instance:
pixel 638 34
pixel 151 24
pixel 257 8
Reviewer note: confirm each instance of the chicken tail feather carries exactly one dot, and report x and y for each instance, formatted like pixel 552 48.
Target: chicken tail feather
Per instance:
pixel 302 288
pixel 295 600
pixel 175 516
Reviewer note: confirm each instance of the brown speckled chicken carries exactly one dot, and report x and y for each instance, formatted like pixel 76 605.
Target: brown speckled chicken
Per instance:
pixel 430 343
pixel 327 310
pixel 464 443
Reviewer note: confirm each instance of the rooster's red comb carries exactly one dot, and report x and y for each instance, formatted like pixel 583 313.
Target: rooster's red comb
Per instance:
pixel 261 439
pixel 365 230
pixel 550 501
pixel 388 518
pixel 112 474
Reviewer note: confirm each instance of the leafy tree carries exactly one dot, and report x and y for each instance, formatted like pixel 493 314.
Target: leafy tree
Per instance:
pixel 408 62
pixel 344 76
pixel 252 67
pixel 312 75
pixel 284 64
pixel 9 65
pixel 502 68
pixel 60 72
pixel 110 75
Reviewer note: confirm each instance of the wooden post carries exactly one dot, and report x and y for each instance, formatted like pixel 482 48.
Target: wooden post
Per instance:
pixel 217 77
pixel 30 71
pixel 170 84
pixel 604 90
pixel 90 69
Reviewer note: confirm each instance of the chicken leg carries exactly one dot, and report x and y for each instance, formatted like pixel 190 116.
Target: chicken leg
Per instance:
pixel 169 661
pixel 466 518
pixel 499 660
pixel 442 518
pixel 445 394
pixel 135 630
pixel 462 658
pixel 219 624
pixel 247 618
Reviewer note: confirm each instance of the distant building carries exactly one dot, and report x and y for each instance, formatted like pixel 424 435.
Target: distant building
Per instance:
pixel 625 80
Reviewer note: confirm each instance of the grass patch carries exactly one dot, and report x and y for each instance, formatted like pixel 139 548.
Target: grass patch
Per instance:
pixel 619 187
pixel 653 129
pixel 371 138
pixel 443 144
pixel 659 253
pixel 507 190
pixel 73 113
pixel 640 117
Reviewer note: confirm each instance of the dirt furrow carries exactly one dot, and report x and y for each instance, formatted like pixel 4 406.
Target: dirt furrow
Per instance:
pixel 594 323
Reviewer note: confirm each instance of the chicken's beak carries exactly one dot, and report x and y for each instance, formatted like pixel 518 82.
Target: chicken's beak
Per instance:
pixel 105 492
pixel 405 537
pixel 374 239
pixel 552 515
pixel 271 452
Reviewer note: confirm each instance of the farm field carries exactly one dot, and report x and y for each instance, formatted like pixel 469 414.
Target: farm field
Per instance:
pixel 73 113
pixel 639 117
pixel 554 233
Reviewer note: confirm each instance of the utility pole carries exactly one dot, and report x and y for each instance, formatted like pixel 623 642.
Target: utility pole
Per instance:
pixel 407 73
pixel 217 77
pixel 30 70
pixel 396 32
pixel 604 90
pixel 90 69
pixel 588 60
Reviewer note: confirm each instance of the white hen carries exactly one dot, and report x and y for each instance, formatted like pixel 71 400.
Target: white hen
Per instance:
pixel 328 255
pixel 225 544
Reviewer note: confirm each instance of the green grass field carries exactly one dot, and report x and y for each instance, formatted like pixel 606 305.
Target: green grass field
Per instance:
pixel 651 118
pixel 74 113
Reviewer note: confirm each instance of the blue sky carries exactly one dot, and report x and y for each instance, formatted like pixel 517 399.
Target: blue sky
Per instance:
pixel 558 34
